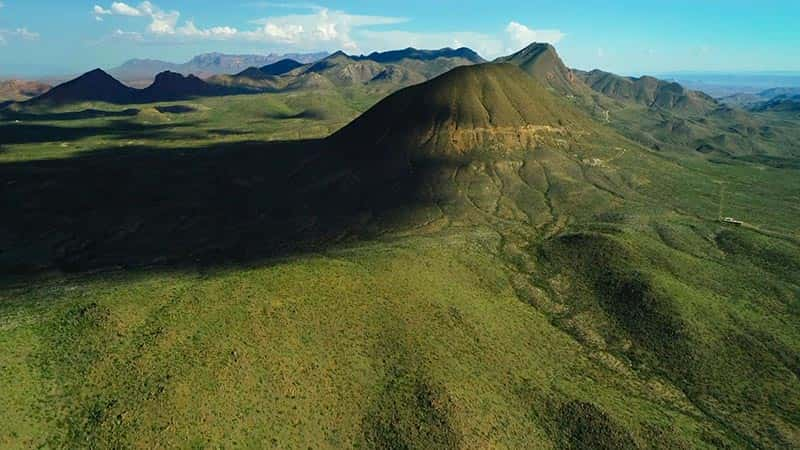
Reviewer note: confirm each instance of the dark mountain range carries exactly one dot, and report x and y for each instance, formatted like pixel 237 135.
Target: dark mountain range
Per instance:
pixel 169 86
pixel 281 67
pixel 95 86
pixel 98 86
pixel 387 70
pixel 780 103
pixel 394 56
pixel 203 66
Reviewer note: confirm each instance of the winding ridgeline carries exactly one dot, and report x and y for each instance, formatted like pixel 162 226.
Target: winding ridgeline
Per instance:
pixel 507 254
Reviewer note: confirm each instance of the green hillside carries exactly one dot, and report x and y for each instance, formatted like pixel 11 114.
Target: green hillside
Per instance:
pixel 478 261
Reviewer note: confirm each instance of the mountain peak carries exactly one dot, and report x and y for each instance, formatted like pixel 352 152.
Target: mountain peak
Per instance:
pixel 424 55
pixel 541 61
pixel 95 85
pixel 96 74
pixel 281 67
pixel 497 107
pixel 337 54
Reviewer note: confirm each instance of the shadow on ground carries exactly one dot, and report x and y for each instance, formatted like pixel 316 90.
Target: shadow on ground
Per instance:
pixel 70 115
pixel 229 202
pixel 23 133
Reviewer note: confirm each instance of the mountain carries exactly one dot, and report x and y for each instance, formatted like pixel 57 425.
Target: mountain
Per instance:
pixel 204 65
pixel 781 91
pixel 384 71
pixel 169 86
pixel 92 86
pixel 19 90
pixel 99 86
pixel 781 103
pixel 492 107
pixel 543 63
pixel 344 70
pixel 648 91
pixel 395 56
pixel 281 67
pixel 760 99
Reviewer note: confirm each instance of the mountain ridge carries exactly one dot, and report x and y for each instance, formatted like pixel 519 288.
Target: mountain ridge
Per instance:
pixel 203 65
pixel 97 85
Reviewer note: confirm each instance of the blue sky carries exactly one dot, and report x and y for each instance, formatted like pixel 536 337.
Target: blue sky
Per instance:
pixel 51 37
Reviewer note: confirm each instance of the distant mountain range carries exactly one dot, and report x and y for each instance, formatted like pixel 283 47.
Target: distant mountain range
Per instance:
pixel 386 70
pixel 137 71
pixel 780 103
pixel 765 100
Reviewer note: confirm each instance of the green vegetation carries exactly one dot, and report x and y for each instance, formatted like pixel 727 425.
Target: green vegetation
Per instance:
pixel 212 273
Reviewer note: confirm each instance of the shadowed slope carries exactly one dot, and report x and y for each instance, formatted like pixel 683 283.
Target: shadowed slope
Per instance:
pixel 281 67
pixel 91 86
pixel 102 87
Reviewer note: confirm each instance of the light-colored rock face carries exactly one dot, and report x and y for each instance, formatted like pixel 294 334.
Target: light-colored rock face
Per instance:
pixel 494 108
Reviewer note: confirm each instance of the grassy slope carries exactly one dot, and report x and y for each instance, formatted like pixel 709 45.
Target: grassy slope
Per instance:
pixel 576 297
pixel 362 345
pixel 57 134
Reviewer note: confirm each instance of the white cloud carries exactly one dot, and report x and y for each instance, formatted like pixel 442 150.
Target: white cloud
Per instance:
pixel 521 36
pixel 2 4
pixel 318 28
pixel 189 29
pixel 20 33
pixel 321 29
pixel 161 22
pixel 123 9
pixel 130 35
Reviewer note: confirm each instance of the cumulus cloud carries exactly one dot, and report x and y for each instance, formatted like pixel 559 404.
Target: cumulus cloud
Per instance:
pixel 123 9
pixel 520 35
pixel 161 22
pixel 321 28
pixel 318 28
